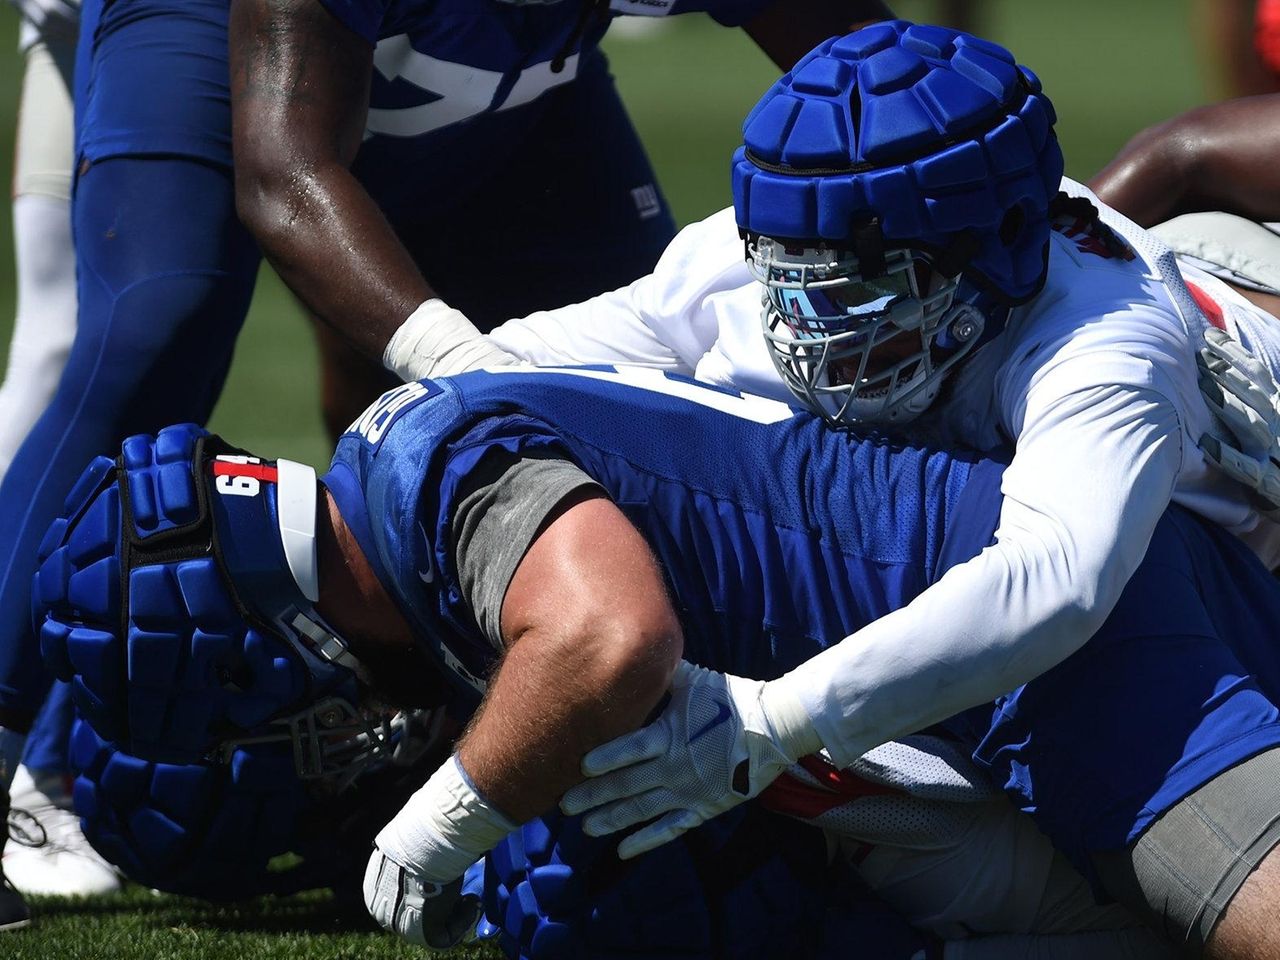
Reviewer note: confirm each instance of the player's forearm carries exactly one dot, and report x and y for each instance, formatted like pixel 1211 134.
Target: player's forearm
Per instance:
pixel 605 329
pixel 334 249
pixel 558 696
pixel 1219 157
pixel 1078 513
pixel 300 95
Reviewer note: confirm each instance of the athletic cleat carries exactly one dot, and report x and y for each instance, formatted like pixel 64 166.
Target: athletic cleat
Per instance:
pixel 13 909
pixel 49 855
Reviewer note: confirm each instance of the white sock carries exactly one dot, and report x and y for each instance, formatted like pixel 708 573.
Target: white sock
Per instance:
pixel 45 323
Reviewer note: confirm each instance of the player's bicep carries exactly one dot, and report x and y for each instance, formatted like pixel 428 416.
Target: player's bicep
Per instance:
pixel 589 574
pixel 299 85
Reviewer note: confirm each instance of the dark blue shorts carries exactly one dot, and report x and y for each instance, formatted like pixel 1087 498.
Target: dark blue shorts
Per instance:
pixel 1179 685
pixel 152 79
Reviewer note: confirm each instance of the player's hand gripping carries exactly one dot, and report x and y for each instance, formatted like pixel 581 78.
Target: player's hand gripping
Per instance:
pixel 719 741
pixel 1245 401
pixel 432 915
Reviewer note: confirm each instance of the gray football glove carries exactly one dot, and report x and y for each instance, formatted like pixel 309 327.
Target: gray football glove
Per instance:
pixel 1245 400
pixel 429 914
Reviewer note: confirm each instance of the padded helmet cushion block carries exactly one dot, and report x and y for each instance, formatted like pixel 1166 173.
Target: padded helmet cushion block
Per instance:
pixel 182 665
pixel 749 884
pixel 199 830
pixel 929 130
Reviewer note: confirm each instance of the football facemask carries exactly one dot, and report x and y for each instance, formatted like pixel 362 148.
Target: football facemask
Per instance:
pixel 861 349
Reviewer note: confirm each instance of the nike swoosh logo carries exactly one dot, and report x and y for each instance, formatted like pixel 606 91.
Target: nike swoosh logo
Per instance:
pixel 427 576
pixel 721 716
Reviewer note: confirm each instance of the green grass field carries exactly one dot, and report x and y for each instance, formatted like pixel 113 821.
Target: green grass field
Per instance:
pixel 1110 68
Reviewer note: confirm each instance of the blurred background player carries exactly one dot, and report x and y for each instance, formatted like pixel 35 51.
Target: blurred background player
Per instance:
pixel 308 81
pixel 166 269
pixel 55 859
pixel 1240 41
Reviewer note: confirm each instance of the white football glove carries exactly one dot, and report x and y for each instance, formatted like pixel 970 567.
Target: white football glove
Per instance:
pixel 1245 400
pixel 432 915
pixel 54 19
pixel 719 741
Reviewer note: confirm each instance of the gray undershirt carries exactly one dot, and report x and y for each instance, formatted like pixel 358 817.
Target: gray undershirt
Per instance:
pixel 502 506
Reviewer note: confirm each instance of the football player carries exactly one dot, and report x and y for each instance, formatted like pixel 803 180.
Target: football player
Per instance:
pixel 901 248
pixel 519 533
pixel 166 269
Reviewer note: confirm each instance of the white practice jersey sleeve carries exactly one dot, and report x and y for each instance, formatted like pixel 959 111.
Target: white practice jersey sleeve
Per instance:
pixel 1093 383
pixel 1094 470
pixel 697 314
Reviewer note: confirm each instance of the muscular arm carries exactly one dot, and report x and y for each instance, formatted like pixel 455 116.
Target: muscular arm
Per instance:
pixel 789 29
pixel 1219 157
pixel 592 642
pixel 300 92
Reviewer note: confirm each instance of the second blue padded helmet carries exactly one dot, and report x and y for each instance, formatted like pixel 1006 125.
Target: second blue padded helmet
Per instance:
pixel 177 595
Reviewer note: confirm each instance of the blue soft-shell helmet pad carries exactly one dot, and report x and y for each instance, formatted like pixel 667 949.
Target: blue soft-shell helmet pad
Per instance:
pixel 937 138
pixel 141 604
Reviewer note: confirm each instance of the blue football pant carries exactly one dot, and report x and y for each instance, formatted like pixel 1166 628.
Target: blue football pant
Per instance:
pixel 165 273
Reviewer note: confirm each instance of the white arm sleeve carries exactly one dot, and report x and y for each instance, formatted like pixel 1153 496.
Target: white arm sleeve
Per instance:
pixel 610 328
pixel 1094 470
pixel 667 319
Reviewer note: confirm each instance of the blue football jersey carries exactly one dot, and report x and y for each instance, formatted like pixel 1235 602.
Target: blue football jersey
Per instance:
pixel 778 536
pixel 462 85
pixel 443 62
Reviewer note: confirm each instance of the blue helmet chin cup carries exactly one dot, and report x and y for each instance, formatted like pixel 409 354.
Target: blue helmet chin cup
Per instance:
pixel 177 596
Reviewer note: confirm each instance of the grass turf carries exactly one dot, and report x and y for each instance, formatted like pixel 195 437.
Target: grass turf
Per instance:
pixel 1110 68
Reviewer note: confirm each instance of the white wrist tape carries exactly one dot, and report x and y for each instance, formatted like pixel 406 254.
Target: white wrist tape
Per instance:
pixel 438 341
pixel 444 828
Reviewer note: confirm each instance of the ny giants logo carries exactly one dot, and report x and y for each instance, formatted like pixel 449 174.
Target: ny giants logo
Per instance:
pixel 240 476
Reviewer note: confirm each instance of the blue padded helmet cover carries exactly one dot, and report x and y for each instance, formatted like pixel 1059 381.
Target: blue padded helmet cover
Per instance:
pixel 158 605
pixel 927 131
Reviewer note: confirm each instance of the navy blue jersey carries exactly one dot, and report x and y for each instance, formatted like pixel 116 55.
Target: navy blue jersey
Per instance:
pixel 778 536
pixel 464 83
pixel 443 62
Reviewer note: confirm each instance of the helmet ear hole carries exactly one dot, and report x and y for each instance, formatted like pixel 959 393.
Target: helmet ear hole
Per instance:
pixel 1011 226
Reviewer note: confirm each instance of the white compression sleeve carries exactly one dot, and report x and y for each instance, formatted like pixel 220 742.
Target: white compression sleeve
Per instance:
pixel 438 341
pixel 443 828
pixel 45 324
pixel 1081 499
